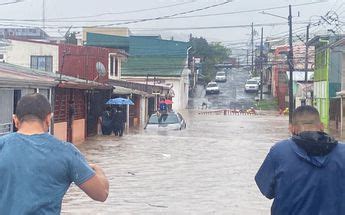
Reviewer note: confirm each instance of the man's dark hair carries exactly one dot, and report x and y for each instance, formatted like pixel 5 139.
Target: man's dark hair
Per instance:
pixel 305 115
pixel 33 107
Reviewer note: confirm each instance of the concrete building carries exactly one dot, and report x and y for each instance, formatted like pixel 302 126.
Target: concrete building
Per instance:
pixel 85 93
pixel 16 82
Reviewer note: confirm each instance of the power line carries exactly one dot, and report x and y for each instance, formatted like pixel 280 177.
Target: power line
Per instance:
pixel 123 12
pixel 12 2
pixel 172 15
pixel 216 27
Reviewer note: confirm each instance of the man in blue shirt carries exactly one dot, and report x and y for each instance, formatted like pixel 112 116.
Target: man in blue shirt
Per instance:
pixel 305 174
pixel 36 169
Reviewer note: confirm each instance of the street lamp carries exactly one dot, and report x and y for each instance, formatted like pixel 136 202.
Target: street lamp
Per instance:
pixel 290 61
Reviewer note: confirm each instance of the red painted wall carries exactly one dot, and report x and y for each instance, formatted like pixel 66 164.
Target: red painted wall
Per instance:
pixel 80 61
pixel 281 89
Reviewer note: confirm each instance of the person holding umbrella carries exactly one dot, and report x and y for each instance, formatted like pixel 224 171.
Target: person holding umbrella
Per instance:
pixel 119 117
pixel 118 122
pixel 106 121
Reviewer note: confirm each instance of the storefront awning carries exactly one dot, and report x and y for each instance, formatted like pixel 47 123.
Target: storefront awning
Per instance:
pixel 127 91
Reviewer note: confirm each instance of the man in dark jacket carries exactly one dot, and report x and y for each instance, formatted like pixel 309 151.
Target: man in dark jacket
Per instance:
pixel 305 174
pixel 106 121
pixel 118 122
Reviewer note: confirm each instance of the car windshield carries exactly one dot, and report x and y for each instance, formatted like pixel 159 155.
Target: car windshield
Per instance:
pixel 220 73
pixel 212 85
pixel 252 82
pixel 163 119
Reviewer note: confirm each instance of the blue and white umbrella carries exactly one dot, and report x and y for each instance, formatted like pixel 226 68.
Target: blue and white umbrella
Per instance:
pixel 119 101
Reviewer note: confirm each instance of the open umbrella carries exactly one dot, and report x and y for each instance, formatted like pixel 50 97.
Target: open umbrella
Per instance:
pixel 168 102
pixel 119 101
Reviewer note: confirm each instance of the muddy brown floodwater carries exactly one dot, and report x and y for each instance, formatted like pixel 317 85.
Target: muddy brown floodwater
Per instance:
pixel 208 168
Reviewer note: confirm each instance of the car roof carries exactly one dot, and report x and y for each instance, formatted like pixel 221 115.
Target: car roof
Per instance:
pixel 169 113
pixel 252 79
pixel 212 82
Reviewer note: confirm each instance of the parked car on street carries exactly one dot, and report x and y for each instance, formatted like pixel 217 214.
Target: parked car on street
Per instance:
pixel 168 121
pixel 251 86
pixel 258 79
pixel 221 76
pixel 212 88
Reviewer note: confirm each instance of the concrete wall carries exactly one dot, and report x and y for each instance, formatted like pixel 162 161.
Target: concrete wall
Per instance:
pixel 143 110
pixel 20 52
pixel 180 87
pixel 60 131
pixel 343 72
pixel 78 128
pixel 106 30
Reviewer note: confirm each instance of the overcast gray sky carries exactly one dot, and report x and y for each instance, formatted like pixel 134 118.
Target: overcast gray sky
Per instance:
pixel 57 9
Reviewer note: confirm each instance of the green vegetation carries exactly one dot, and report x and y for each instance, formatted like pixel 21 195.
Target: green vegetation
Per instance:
pixel 268 104
pixel 210 55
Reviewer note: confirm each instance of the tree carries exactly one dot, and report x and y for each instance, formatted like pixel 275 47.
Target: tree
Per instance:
pixel 210 55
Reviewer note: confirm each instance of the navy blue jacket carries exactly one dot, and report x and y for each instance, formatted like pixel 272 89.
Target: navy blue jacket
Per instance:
pixel 302 180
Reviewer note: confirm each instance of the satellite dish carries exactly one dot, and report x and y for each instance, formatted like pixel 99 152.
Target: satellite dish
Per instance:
pixel 100 69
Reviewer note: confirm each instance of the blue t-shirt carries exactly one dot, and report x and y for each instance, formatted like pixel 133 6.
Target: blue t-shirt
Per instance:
pixel 36 171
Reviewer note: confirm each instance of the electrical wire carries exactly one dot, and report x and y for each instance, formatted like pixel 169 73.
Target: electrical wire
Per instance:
pixel 12 2
pixel 174 16
pixel 123 12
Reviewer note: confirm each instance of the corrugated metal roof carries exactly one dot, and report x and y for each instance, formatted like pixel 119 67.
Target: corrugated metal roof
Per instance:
pixel 139 45
pixel 154 65
pixel 109 41
pixel 20 76
pixel 12 74
pixel 128 91
pixel 152 46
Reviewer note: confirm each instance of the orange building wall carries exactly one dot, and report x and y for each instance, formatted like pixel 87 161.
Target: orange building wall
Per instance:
pixel 78 129
pixel 60 131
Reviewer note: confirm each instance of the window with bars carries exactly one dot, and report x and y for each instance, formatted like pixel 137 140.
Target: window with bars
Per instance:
pixel 114 67
pixel 43 63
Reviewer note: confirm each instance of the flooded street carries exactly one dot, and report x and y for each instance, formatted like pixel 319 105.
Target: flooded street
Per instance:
pixel 208 168
pixel 231 94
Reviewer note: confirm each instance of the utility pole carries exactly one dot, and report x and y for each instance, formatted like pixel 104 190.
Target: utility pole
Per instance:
pixel 44 14
pixel 252 48
pixel 247 57
pixel 306 63
pixel 290 62
pixel 261 60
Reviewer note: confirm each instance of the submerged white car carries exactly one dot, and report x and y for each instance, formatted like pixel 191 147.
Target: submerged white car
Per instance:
pixel 221 77
pixel 212 88
pixel 166 121
pixel 251 86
